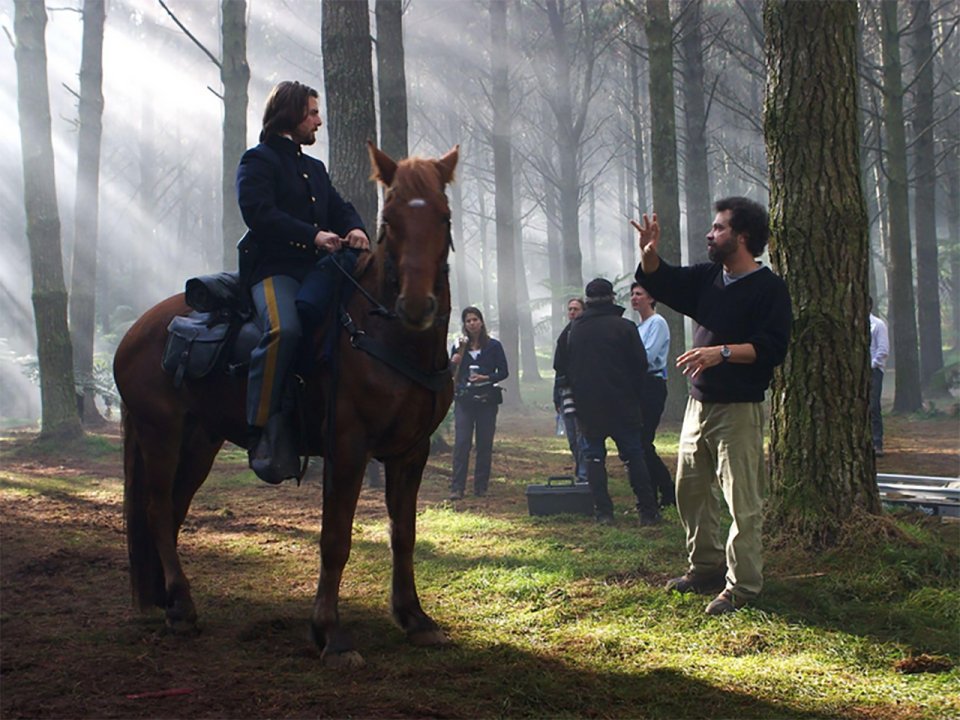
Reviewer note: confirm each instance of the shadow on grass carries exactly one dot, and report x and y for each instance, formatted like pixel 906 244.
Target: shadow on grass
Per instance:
pixel 73 647
pixel 453 681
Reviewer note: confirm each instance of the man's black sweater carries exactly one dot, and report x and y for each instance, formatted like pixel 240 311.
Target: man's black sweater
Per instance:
pixel 755 309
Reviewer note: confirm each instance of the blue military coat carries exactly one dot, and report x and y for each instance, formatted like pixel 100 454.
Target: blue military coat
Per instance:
pixel 285 197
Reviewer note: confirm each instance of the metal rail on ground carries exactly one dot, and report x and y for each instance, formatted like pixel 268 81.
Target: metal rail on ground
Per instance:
pixel 932 495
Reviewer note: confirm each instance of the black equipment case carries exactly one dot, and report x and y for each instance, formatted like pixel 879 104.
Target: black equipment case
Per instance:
pixel 560 494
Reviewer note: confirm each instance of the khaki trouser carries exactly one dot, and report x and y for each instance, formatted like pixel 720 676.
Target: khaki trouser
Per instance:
pixel 723 442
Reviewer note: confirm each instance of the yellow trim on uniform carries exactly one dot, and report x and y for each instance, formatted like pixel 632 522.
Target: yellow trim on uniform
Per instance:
pixel 270 368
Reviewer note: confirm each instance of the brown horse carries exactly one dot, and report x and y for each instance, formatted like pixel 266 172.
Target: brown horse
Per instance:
pixel 172 435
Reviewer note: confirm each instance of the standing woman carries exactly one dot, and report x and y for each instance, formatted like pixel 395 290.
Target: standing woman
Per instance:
pixel 480 362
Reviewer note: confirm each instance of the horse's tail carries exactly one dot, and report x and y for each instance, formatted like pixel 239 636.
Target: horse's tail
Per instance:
pixel 146 570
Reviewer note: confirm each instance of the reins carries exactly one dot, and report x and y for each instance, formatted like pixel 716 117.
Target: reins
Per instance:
pixel 360 340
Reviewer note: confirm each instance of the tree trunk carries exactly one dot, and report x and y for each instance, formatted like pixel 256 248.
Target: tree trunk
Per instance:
pixel 592 228
pixel 696 175
pixel 391 78
pixel 486 269
pixel 907 397
pixel 666 191
pixel 568 143
pixel 60 419
pixel 235 77
pixel 456 207
pixel 627 233
pixel 504 198
pixel 952 172
pixel 141 262
pixel 639 165
pixel 560 294
pixel 821 449
pixel 351 118
pixel 925 207
pixel 83 286
pixel 528 348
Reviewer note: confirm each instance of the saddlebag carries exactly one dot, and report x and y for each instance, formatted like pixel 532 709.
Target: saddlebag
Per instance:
pixel 197 343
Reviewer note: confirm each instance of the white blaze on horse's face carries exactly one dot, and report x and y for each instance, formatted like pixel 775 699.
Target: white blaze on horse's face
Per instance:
pixel 417 235
pixel 421 245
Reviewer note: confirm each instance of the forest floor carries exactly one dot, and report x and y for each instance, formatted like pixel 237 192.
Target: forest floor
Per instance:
pixel 547 616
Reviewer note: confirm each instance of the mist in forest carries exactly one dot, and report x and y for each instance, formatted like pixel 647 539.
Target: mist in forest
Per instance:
pixel 160 177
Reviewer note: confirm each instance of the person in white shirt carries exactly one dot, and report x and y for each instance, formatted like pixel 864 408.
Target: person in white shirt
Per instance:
pixel 879 349
pixel 655 335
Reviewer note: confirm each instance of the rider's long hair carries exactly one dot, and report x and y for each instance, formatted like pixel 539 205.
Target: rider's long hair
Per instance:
pixel 286 108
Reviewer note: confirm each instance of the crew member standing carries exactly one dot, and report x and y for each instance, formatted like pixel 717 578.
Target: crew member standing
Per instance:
pixel 607 366
pixel 879 349
pixel 655 334
pixel 743 317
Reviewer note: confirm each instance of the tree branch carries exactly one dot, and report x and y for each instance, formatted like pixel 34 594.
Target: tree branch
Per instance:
pixel 190 35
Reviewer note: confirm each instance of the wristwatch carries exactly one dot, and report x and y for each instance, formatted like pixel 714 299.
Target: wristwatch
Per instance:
pixel 725 353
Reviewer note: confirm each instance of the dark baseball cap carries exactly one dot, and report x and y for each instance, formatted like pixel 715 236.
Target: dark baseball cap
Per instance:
pixel 601 287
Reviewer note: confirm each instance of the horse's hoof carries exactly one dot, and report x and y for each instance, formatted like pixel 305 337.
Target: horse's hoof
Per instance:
pixel 349 659
pixel 428 637
pixel 182 627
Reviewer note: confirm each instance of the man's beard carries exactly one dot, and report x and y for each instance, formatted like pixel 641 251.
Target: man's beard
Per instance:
pixel 720 252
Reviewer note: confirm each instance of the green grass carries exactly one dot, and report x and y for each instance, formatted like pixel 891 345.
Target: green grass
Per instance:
pixel 548 616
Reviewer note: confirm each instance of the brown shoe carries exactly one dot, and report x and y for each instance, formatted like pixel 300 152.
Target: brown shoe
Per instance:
pixel 724 603
pixel 702 583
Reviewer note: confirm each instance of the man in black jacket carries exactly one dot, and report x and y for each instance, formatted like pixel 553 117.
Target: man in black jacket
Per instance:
pixel 295 216
pixel 605 364
pixel 743 320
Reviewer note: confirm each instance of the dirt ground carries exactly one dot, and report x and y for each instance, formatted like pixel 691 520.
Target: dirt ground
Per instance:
pixel 71 645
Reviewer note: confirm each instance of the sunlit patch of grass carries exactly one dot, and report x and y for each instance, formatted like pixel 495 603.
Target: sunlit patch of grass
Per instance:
pixel 550 616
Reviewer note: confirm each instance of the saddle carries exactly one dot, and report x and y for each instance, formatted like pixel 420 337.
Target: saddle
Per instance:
pixel 218 336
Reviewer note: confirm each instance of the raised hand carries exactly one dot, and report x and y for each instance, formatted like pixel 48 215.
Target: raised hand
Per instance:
pixel 649 240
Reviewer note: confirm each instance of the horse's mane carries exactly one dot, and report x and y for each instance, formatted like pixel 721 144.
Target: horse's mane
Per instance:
pixel 416 177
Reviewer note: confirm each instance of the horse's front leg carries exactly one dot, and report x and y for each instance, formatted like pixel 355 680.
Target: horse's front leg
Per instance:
pixel 403 483
pixel 342 480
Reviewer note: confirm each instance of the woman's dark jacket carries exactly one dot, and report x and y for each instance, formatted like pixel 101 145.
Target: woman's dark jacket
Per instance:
pixel 492 361
pixel 285 198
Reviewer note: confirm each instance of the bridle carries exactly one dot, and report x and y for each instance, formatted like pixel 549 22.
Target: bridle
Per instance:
pixel 392 277
pixel 434 381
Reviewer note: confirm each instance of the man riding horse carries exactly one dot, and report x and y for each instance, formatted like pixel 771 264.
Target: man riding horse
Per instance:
pixel 295 217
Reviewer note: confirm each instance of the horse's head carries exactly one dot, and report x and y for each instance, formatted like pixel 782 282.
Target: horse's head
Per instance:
pixel 415 230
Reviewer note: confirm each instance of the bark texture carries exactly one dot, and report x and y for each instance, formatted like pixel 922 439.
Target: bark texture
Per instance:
pixel 504 199
pixel 696 174
pixel 392 79
pixel 666 188
pixel 902 304
pixel 925 206
pixel 235 77
pixel 952 171
pixel 351 117
pixel 60 419
pixel 83 284
pixel 568 87
pixel 821 453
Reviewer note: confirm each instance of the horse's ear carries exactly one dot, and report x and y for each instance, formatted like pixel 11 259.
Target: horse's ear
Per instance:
pixel 384 168
pixel 447 164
